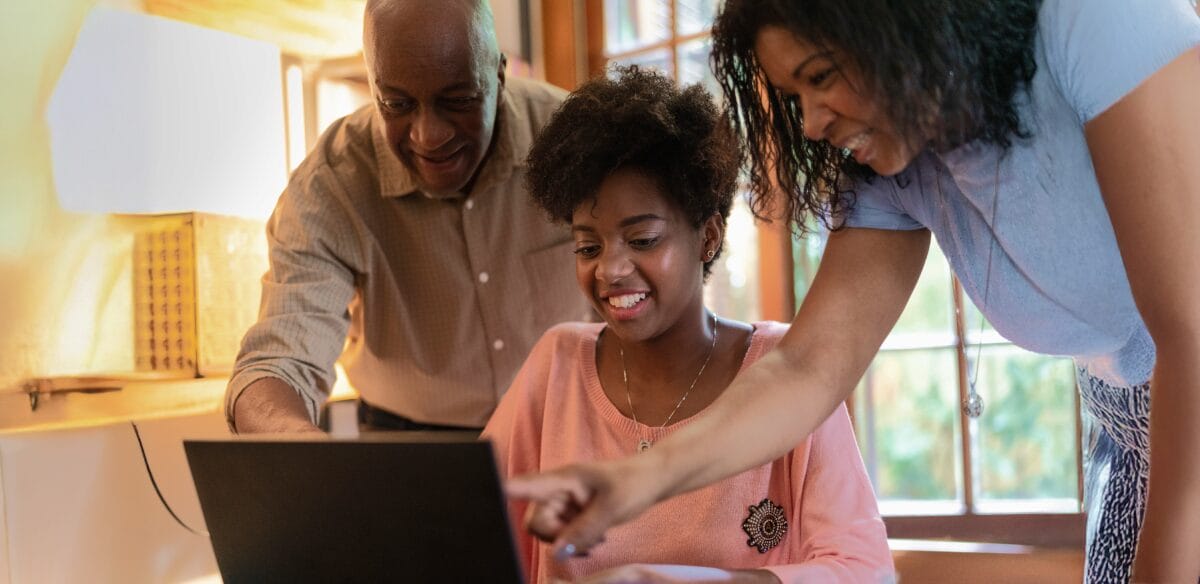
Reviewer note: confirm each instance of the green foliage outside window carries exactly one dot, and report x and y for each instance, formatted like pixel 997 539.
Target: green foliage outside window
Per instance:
pixel 906 424
pixel 1025 443
pixel 906 406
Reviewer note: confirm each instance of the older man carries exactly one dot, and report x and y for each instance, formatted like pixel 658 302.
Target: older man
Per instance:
pixel 405 242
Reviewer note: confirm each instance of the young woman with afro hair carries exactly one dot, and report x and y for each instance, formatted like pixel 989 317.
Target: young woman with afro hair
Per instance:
pixel 645 174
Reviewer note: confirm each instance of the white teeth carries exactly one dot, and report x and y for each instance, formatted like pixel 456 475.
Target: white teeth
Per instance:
pixel 857 141
pixel 626 300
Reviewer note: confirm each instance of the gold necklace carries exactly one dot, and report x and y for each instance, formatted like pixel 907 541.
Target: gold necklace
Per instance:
pixel 645 443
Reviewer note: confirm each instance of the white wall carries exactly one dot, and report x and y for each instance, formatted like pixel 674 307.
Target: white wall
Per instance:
pixel 78 505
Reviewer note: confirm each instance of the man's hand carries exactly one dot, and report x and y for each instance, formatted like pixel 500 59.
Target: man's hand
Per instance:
pixel 271 406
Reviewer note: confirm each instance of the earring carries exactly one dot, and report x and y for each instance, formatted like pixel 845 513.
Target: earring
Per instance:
pixel 709 255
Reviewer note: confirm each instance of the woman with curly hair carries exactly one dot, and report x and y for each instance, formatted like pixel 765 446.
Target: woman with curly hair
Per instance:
pixel 1052 147
pixel 645 175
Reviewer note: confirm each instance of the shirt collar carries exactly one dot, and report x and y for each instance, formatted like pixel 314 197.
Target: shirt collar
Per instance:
pixel 512 136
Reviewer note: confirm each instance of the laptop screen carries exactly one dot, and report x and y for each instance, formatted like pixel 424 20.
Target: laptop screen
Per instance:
pixel 398 507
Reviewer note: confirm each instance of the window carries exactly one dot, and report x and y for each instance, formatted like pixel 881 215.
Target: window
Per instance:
pixel 318 93
pixel 924 456
pixel 669 35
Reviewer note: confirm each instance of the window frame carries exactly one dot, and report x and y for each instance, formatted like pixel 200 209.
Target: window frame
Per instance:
pixel 966 521
pixel 962 519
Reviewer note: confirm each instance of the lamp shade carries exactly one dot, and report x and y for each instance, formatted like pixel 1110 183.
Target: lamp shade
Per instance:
pixel 153 115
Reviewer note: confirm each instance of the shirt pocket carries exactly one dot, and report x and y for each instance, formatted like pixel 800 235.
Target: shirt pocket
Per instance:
pixel 554 296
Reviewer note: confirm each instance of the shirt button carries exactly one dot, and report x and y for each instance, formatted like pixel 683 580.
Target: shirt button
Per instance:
pixel 483 277
pixel 498 344
pixel 470 204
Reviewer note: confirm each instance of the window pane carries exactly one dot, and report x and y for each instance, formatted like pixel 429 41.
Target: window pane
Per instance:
pixel 928 319
pixel 806 256
pixel 905 418
pixel 1024 443
pixel 693 66
pixel 659 59
pixel 695 15
pixel 732 290
pixel 630 24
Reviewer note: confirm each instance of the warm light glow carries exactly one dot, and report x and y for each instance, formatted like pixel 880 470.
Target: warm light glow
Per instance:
pixel 733 289
pixel 341 386
pixel 743 253
pixel 336 99
pixel 94 323
pixel 297 144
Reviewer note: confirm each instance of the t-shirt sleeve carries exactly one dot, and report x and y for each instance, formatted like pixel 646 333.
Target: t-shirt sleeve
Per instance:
pixel 1098 51
pixel 876 206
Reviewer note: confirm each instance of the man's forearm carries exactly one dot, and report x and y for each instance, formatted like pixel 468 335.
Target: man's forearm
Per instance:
pixel 269 405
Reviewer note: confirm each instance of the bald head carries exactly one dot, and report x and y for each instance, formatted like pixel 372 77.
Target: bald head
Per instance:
pixel 431 24
pixel 436 71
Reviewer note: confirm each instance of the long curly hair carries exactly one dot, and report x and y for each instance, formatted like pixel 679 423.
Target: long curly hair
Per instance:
pixel 946 72
pixel 639 120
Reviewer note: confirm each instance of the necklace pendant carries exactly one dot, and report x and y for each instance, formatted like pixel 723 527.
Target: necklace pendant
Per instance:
pixel 644 445
pixel 973 405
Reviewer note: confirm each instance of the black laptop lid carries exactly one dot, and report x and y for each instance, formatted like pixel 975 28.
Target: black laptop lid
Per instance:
pixel 403 507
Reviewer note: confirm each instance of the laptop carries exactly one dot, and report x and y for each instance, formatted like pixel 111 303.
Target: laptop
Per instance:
pixel 396 507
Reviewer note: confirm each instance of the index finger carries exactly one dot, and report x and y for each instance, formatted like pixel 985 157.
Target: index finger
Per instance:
pixel 542 488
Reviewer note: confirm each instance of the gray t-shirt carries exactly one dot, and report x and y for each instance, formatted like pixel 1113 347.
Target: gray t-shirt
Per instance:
pixel 1058 285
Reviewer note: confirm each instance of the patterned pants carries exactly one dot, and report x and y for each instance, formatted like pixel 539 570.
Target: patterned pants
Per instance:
pixel 1117 470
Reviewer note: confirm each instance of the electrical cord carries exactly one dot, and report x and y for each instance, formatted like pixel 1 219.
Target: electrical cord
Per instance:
pixel 154 483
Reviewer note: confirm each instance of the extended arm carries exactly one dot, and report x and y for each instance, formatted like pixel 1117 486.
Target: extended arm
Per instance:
pixel 1146 151
pixel 866 276
pixel 285 367
pixel 865 279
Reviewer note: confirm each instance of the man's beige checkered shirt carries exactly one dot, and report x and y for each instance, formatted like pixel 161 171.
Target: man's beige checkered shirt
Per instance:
pixel 435 300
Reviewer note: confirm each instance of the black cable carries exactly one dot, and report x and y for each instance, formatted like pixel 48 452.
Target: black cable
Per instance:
pixel 153 482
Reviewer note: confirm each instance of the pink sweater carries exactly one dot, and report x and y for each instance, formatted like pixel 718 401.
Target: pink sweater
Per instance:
pixel 809 516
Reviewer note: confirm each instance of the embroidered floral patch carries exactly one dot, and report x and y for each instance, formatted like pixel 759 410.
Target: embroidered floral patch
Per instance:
pixel 766 526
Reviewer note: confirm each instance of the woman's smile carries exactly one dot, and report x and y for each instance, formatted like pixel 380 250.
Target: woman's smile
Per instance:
pixel 627 306
pixel 637 257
